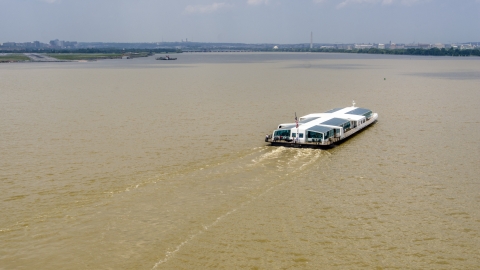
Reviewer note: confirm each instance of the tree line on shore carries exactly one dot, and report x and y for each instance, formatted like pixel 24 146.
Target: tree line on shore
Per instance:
pixel 410 51
pixel 94 50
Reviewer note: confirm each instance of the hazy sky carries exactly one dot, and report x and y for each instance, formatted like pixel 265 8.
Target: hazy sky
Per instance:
pixel 244 21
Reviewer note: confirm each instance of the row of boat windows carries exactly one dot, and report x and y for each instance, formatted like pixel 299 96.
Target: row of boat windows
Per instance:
pixel 346 125
pixel 282 133
pixel 286 133
pixel 300 135
pixel 310 134
pixel 314 135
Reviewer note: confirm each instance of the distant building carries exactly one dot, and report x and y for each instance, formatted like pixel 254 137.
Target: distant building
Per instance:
pixel 438 46
pixel 363 46
pixel 9 44
pixel 417 46
pixel 344 46
pixel 54 43
pixel 380 46
pixel 391 46
pixel 70 44
pixel 466 47
pixel 63 44
pixel 311 40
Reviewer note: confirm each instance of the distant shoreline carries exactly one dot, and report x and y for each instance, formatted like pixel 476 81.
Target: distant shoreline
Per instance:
pixel 93 55
pixel 421 52
pixel 66 57
pixel 117 52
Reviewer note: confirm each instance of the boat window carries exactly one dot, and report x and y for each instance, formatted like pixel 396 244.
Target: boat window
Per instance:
pixel 282 132
pixel 300 135
pixel 294 135
pixel 314 135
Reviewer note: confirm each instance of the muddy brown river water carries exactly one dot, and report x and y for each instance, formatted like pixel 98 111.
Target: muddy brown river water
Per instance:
pixel 145 164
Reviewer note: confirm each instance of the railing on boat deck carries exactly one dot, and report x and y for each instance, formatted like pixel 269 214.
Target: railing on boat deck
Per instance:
pixel 288 140
pixel 326 142
pixel 282 139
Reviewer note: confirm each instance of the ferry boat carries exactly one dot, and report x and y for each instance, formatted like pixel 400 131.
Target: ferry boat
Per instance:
pixel 322 130
pixel 166 58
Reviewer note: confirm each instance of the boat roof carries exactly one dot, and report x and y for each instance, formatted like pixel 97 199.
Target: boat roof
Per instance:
pixel 321 129
pixel 335 122
pixel 359 111
pixel 338 112
pixel 287 126
pixel 307 119
pixel 333 117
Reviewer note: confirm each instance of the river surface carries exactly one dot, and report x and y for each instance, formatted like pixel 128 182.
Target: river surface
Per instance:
pixel 145 164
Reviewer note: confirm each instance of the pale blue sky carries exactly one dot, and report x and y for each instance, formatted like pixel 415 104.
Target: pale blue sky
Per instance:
pixel 244 21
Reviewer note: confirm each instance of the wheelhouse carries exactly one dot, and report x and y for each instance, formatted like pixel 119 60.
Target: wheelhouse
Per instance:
pixel 283 132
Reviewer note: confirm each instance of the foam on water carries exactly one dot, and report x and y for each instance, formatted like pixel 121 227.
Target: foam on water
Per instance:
pixel 293 160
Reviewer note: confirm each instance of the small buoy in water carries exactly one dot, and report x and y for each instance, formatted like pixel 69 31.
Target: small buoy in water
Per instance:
pixel 384 79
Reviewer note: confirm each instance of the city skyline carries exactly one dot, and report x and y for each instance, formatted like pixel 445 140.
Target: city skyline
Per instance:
pixel 241 21
pixel 65 44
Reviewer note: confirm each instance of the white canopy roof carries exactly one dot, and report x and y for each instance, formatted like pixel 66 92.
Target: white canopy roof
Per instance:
pixel 323 117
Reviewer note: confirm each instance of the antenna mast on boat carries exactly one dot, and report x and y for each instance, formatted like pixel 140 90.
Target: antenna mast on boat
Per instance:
pixel 296 123
pixel 353 103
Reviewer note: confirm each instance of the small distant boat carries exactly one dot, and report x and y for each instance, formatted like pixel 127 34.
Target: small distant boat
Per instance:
pixel 166 58
pixel 322 130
